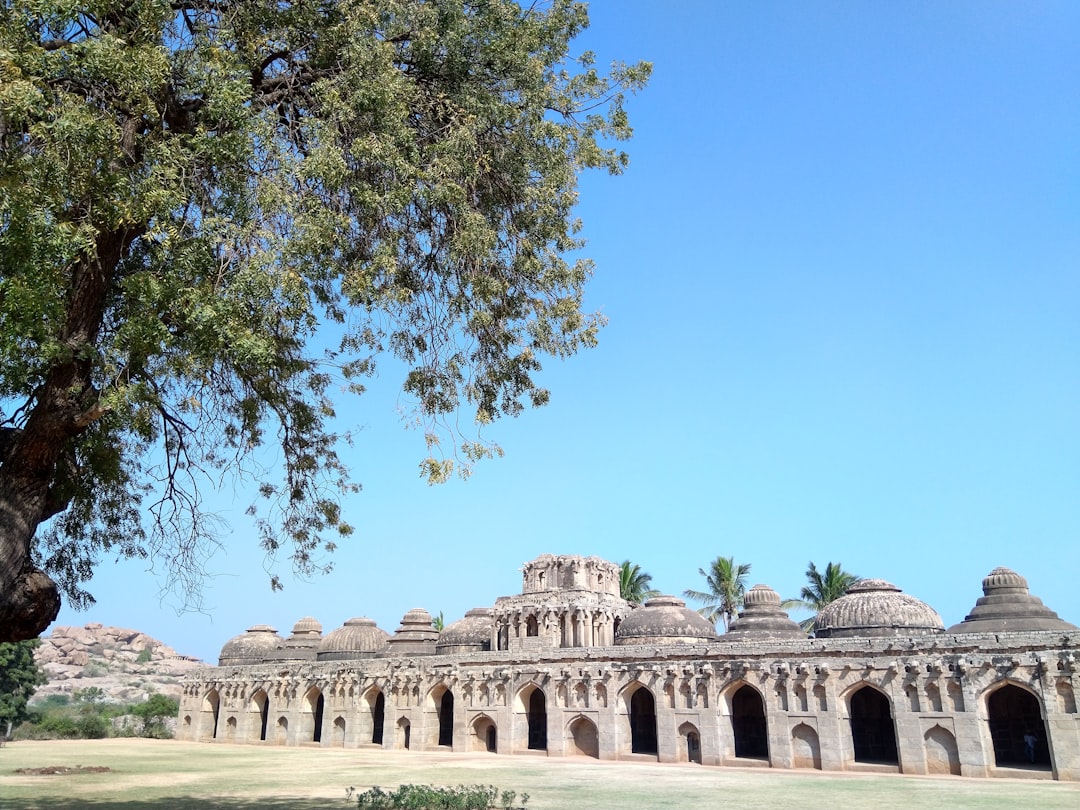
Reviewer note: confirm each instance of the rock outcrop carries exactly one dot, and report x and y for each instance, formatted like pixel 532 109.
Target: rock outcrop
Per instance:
pixel 126 665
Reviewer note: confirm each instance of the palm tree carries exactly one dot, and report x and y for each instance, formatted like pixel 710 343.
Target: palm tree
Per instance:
pixel 822 589
pixel 634 584
pixel 438 622
pixel 727 586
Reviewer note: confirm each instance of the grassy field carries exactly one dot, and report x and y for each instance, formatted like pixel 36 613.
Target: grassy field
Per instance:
pixel 169 775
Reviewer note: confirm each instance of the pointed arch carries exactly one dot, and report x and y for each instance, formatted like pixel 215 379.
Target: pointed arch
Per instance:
pixel 311 719
pixel 942 754
pixel 690 743
pixel 584 738
pixel 374 700
pixel 441 699
pixel 259 712
pixel 339 731
pixel 484 734
pixel 208 716
pixel 873 732
pixel 531 701
pixel 1015 717
pixel 748 723
pixel 641 712
pixel 805 747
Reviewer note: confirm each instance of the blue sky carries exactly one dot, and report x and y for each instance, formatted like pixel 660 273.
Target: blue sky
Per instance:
pixel 842 281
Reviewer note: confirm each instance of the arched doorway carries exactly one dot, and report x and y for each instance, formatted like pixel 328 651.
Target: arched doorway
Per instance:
pixel 316 704
pixel 378 719
pixel 691 748
pixel 643 722
pixel 260 708
pixel 585 738
pixel 873 735
pixel 1017 728
pixel 446 719
pixel 211 709
pixel 748 724
pixel 537 720
pixel 484 735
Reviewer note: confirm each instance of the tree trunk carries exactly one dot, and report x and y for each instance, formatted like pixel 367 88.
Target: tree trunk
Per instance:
pixel 64 406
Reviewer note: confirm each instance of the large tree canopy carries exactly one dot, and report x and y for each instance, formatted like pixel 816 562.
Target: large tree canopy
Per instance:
pixel 190 189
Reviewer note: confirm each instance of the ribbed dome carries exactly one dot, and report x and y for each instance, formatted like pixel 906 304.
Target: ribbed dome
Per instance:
pixel 664 620
pixel 470 634
pixel 250 647
pixel 762 618
pixel 1006 605
pixel 874 607
pixel 302 645
pixel 307 626
pixel 357 638
pixel 416 635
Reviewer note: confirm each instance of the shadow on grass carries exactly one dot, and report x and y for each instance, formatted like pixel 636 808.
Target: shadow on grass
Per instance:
pixel 177 803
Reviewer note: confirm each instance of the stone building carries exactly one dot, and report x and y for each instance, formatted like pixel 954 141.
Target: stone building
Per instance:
pixel 568 668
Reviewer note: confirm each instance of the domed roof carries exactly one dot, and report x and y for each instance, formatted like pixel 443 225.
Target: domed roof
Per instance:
pixel 357 638
pixel 416 635
pixel 307 626
pixel 1006 605
pixel 250 647
pixel 874 607
pixel 664 620
pixel 470 634
pixel 762 618
pixel 303 644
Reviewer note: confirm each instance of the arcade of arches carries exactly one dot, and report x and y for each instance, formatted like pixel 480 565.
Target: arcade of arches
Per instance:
pixel 943 702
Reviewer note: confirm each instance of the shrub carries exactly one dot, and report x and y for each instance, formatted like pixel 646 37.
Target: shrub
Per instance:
pixel 428 797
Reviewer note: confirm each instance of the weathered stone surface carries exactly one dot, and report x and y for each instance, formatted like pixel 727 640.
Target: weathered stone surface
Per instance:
pixel 121 662
pixel 915 699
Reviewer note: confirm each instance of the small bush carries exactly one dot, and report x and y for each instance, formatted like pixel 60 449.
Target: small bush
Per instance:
pixel 428 797
pixel 95 669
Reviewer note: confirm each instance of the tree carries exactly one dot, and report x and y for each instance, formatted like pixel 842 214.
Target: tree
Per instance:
pixel 821 590
pixel 214 215
pixel 154 712
pixel 439 622
pixel 634 584
pixel 19 677
pixel 726 583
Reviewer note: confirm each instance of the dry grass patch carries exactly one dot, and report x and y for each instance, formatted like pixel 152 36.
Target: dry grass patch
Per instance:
pixel 169 775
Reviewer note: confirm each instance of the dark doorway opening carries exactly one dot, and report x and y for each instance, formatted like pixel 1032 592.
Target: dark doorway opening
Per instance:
pixel 378 718
pixel 446 719
pixel 1017 728
pixel 215 707
pixel 491 739
pixel 263 703
pixel 643 722
pixel 748 723
pixel 873 734
pixel 320 704
pixel 537 716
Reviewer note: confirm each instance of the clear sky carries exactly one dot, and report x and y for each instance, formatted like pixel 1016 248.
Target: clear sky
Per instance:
pixel 842 281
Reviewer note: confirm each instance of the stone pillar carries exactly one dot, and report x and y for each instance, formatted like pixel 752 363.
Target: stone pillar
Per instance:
pixel 834 729
pixel 910 749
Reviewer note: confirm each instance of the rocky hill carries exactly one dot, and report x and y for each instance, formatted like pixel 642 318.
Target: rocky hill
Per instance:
pixel 125 664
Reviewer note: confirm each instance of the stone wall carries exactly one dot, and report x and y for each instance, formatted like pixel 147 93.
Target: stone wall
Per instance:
pixel 952 703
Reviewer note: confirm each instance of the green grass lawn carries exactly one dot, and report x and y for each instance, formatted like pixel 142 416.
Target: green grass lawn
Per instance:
pixel 169 775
